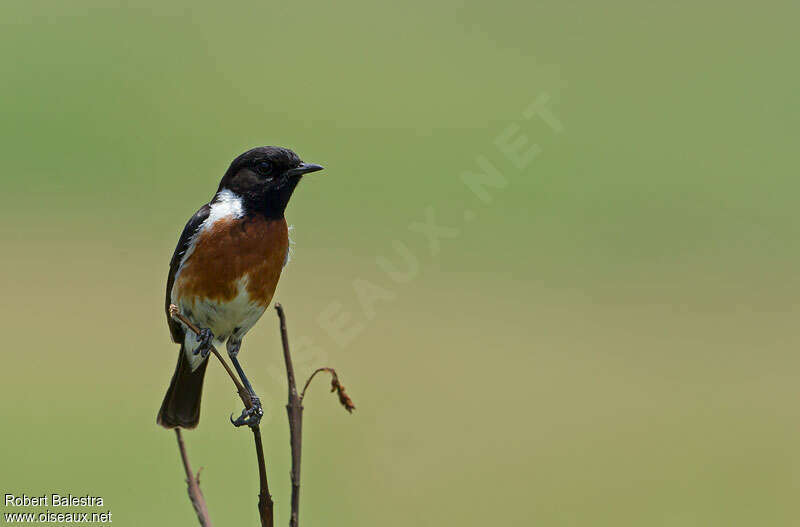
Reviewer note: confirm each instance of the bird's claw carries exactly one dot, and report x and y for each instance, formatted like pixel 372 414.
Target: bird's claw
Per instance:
pixel 206 338
pixel 250 416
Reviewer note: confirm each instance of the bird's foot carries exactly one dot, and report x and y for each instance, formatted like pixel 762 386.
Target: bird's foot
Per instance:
pixel 206 338
pixel 250 416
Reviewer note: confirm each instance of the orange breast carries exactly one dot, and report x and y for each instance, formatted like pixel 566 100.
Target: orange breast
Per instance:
pixel 230 249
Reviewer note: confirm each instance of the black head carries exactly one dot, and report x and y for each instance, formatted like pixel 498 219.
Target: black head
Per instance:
pixel 265 178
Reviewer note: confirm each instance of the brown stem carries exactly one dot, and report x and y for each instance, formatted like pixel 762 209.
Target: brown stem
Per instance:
pixel 294 410
pixel 193 485
pixel 303 393
pixel 336 386
pixel 265 504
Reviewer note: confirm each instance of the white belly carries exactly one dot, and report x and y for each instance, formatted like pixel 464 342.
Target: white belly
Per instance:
pixel 225 319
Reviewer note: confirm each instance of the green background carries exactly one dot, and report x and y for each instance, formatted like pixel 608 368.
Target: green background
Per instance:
pixel 612 340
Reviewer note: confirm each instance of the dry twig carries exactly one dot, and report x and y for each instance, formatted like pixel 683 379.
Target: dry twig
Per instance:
pixel 336 386
pixel 294 410
pixel 193 485
pixel 265 504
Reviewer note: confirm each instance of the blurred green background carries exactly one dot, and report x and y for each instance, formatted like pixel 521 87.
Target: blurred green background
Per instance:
pixel 612 340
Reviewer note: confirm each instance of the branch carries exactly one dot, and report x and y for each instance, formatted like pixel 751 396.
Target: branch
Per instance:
pixel 193 485
pixel 336 386
pixel 265 504
pixel 294 410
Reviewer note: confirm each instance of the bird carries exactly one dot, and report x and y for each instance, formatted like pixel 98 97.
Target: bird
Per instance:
pixel 224 271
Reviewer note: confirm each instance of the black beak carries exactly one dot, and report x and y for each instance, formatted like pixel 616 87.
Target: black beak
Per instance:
pixel 304 168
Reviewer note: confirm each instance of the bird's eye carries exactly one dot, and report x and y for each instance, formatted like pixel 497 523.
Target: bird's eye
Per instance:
pixel 264 167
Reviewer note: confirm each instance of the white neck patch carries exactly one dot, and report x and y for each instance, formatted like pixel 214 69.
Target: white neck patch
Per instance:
pixel 228 204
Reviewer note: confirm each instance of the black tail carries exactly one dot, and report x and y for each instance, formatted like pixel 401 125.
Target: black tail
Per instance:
pixel 181 406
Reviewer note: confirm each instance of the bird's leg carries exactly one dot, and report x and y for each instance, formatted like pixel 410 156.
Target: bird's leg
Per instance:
pixel 250 416
pixel 206 338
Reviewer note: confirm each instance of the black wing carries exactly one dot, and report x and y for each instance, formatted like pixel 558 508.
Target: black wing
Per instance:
pixel 175 328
